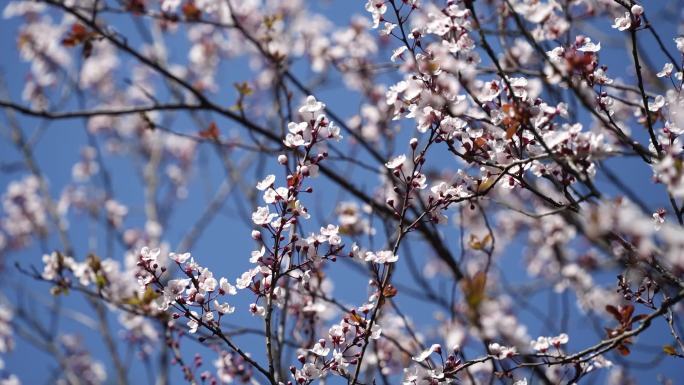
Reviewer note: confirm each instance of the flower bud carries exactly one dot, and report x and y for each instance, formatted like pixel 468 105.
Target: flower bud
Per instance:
pixel 637 10
pixel 282 159
pixel 414 143
pixel 256 235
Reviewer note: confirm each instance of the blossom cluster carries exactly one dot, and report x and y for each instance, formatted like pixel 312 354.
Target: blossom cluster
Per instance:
pixel 482 130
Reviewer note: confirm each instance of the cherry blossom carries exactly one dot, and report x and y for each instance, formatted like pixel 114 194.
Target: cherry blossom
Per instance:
pixel 680 43
pixel 396 162
pixel 666 71
pixel 427 353
pixel 312 105
pixel 383 256
pixel 502 352
pixel 623 23
pixel 463 136
pixel 263 216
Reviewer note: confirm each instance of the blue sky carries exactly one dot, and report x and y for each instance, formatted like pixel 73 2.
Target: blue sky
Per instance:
pixel 225 245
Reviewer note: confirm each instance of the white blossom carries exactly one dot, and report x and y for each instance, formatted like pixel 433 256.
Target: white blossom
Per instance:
pixel 396 162
pixel 623 23
pixel 180 258
pixel 263 216
pixel 425 354
pixel 312 105
pixel 266 183
pixel 679 41
pixel 666 71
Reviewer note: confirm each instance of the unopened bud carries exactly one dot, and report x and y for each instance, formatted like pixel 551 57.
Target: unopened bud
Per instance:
pixel 414 143
pixel 282 159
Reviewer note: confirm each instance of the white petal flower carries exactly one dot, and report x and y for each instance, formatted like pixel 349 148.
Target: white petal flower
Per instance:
pixel 396 162
pixel 588 46
pixel 398 52
pixel 209 284
pixel 294 140
pixel 680 43
pixel 384 256
pixel 256 254
pixel 658 219
pixel 501 351
pixel 657 104
pixel 623 23
pixel 297 128
pixel 266 183
pixel 377 8
pixel 491 91
pixel 148 254
pixel 560 339
pixel 226 288
pixel 180 258
pixel 192 323
pixel 330 230
pixel 600 77
pixel 666 71
pixel 387 28
pixel 425 354
pixel 223 308
pixel 319 349
pixel 257 310
pixel 263 216
pixel 420 181
pixel 311 105
pixel 376 331
pixel 170 6
pixel 541 344
pixel 246 278
pixel 208 317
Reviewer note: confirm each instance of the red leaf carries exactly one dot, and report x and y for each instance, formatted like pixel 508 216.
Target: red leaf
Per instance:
pixel 511 130
pixel 623 350
pixel 137 7
pixel 191 12
pixel 627 312
pixel 78 34
pixel 212 132
pixel 389 291
pixel 615 312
